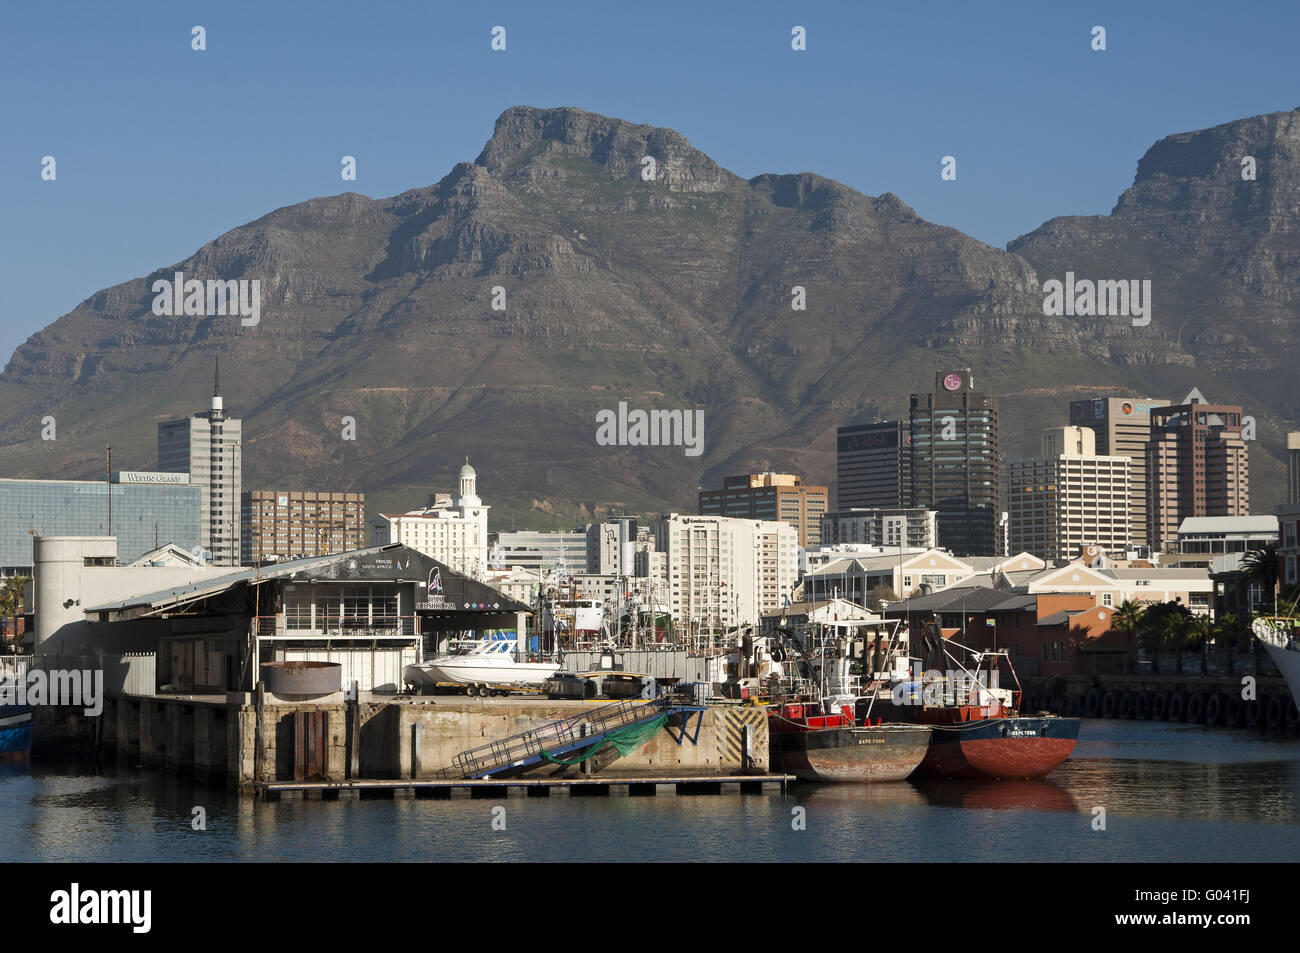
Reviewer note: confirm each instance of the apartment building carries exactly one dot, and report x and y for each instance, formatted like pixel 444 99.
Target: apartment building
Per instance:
pixel 1197 465
pixel 1069 497
pixel 722 571
pixel 291 524
pixel 771 496
pixel 1122 426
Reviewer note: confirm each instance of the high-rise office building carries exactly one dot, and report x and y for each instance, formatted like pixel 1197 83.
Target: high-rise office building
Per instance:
pixel 771 496
pixel 207 446
pixel 871 466
pixel 1197 465
pixel 289 524
pixel 954 462
pixel 1068 497
pixel 1123 426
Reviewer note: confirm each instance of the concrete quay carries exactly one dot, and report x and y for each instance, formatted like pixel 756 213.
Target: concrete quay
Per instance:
pixel 234 740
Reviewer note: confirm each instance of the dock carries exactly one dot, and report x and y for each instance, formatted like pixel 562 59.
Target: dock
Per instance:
pixel 399 789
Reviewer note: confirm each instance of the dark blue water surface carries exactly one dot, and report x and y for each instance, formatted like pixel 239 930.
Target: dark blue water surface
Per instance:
pixel 1170 792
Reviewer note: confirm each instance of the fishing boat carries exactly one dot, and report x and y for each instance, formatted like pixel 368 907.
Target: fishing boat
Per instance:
pixel 814 745
pixel 992 742
pixel 15 722
pixel 838 735
pixel 479 663
pixel 977 730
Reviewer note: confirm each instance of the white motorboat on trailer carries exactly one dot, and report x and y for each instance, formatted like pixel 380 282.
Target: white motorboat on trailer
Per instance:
pixel 481 663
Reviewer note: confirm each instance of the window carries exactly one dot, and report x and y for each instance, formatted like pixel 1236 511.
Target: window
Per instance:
pixel 297 608
pixel 1107 599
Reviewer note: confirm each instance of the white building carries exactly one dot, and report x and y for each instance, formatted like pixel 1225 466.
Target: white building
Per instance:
pixel 207 447
pixel 915 528
pixel 72 573
pixel 1113 587
pixel 454 534
pixel 725 571
pixel 1108 586
pixel 815 557
pixel 565 552
pixel 518 582
pixel 1069 497
pixel 866 580
pixel 1201 538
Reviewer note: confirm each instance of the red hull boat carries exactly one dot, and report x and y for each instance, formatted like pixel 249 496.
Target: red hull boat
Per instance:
pixel 815 746
pixel 969 743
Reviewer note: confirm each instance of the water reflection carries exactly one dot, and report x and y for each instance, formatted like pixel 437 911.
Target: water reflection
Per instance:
pixel 1041 794
pixel 1170 793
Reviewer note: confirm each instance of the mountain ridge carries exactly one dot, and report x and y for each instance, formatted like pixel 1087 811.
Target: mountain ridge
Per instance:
pixel 674 292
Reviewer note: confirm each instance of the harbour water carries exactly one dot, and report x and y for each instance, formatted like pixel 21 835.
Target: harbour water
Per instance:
pixel 1170 792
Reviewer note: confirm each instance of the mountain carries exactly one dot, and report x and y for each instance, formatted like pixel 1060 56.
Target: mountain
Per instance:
pixel 672 292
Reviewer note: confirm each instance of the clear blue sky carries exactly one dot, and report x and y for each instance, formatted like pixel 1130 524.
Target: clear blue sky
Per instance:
pixel 160 149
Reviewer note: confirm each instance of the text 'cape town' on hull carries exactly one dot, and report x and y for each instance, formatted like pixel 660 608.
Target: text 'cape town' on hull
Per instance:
pixel 809 750
pixel 1012 747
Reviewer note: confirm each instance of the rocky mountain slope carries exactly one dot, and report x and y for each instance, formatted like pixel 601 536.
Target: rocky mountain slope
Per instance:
pixel 673 292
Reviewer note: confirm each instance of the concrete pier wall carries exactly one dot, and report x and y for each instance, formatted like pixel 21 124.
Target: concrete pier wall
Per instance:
pixel 218 741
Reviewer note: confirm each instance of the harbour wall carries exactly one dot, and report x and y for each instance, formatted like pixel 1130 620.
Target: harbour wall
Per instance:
pixel 1212 700
pixel 229 741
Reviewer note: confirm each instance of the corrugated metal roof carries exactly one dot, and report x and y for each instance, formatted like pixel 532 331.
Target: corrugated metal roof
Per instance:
pixel 306 566
pixel 954 599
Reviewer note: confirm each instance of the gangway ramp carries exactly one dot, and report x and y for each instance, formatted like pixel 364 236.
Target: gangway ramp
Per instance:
pixel 528 749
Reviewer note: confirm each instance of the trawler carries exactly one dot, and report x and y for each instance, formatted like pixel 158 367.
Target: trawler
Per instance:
pixel 839 736
pixel 977 729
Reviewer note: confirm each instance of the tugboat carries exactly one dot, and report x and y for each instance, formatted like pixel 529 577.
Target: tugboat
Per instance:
pixel 977 728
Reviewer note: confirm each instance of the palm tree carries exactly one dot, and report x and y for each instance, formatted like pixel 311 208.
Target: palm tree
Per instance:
pixel 1228 631
pixel 1126 618
pixel 1175 633
pixel 11 601
pixel 1260 567
pixel 1198 636
pixel 7 607
pixel 1152 640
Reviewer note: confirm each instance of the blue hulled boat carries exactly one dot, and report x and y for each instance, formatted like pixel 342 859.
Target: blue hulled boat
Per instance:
pixel 15 729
